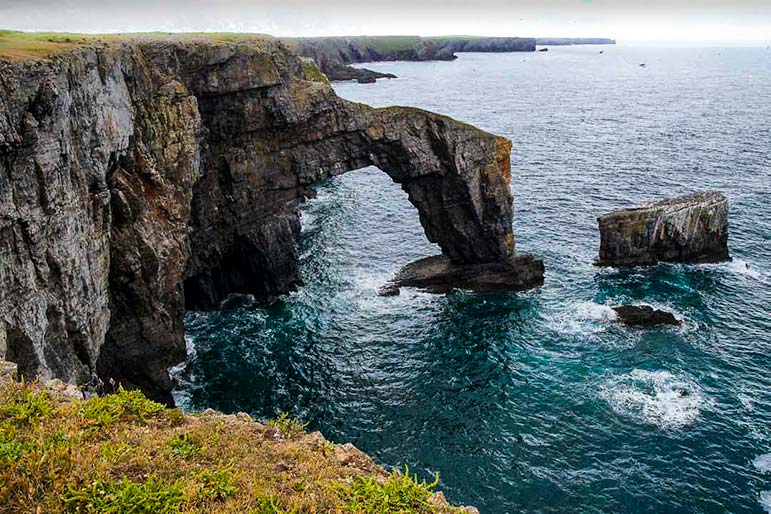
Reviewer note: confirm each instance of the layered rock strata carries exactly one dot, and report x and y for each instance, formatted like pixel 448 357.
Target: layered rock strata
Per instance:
pixel 140 179
pixel 691 228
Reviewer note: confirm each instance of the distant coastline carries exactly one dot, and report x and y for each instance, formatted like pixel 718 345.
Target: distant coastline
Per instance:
pixel 334 55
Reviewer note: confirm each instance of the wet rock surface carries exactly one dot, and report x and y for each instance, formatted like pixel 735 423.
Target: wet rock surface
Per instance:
pixel 438 274
pixel 138 180
pixel 644 315
pixel 691 228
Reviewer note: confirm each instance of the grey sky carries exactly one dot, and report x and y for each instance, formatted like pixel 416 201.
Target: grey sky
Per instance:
pixel 623 19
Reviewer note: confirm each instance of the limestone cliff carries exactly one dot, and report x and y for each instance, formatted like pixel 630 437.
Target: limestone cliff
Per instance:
pixel 142 177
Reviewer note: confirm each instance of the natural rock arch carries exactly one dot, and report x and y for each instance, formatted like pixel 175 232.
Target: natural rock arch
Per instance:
pixel 455 175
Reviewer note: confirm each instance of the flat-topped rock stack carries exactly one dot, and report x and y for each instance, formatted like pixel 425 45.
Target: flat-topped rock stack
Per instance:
pixel 691 228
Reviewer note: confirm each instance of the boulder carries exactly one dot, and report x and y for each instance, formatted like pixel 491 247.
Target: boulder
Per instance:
pixel 644 315
pixel 691 228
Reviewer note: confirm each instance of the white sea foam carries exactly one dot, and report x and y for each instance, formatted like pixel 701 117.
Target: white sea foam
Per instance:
pixel 583 318
pixel 595 312
pixel 744 268
pixel 656 397
pixel 176 370
pixel 763 463
pixel 740 267
pixel 765 501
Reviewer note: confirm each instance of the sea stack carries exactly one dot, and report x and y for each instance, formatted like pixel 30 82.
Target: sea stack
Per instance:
pixel 691 228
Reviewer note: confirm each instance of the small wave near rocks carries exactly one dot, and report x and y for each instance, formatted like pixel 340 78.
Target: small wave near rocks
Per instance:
pixel 655 397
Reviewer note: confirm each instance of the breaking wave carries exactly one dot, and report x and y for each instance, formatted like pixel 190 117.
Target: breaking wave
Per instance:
pixel 655 397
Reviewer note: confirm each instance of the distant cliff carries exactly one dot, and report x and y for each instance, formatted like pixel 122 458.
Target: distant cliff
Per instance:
pixel 334 55
pixel 567 41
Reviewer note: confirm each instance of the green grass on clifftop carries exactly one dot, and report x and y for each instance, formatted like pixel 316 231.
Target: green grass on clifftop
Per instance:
pixel 19 46
pixel 124 453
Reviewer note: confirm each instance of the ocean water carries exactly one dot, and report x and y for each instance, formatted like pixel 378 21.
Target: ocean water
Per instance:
pixel 537 401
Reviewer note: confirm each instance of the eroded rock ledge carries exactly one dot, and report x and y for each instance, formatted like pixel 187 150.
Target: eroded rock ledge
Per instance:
pixel 140 179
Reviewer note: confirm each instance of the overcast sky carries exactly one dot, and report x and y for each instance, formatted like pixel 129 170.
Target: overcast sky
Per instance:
pixel 626 20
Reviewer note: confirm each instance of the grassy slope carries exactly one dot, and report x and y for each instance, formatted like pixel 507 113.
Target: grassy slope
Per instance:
pixel 124 453
pixel 17 46
pixel 35 45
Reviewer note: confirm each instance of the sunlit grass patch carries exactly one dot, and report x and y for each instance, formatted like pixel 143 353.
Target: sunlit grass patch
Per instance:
pixel 125 405
pixel 125 453
pixel 400 492
pixel 17 45
pixel 150 496
pixel 23 405
pixel 289 427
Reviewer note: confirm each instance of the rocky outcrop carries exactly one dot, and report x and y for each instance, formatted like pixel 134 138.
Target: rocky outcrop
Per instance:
pixel 644 315
pixel 438 274
pixel 334 55
pixel 139 179
pixel 691 228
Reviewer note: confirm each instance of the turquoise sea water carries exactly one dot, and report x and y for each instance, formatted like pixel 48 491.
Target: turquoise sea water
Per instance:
pixel 536 401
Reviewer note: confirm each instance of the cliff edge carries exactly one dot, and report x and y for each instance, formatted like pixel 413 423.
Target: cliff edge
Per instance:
pixel 125 453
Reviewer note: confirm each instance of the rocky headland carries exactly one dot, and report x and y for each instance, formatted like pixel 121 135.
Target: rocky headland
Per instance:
pixel 142 176
pixel 334 55
pixel 690 229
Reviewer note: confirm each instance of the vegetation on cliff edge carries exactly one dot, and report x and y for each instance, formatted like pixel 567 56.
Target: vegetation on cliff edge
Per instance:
pixel 125 453
pixel 18 46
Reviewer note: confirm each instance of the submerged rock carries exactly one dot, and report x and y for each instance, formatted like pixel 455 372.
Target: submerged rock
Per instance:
pixel 644 315
pixel 438 274
pixel 691 228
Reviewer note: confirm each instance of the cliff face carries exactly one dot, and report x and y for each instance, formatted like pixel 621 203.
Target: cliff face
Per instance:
pixel 333 55
pixel 139 179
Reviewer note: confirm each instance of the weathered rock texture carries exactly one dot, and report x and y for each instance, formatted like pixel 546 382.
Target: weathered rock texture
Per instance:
pixel 438 274
pixel 140 179
pixel 334 55
pixel 691 228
